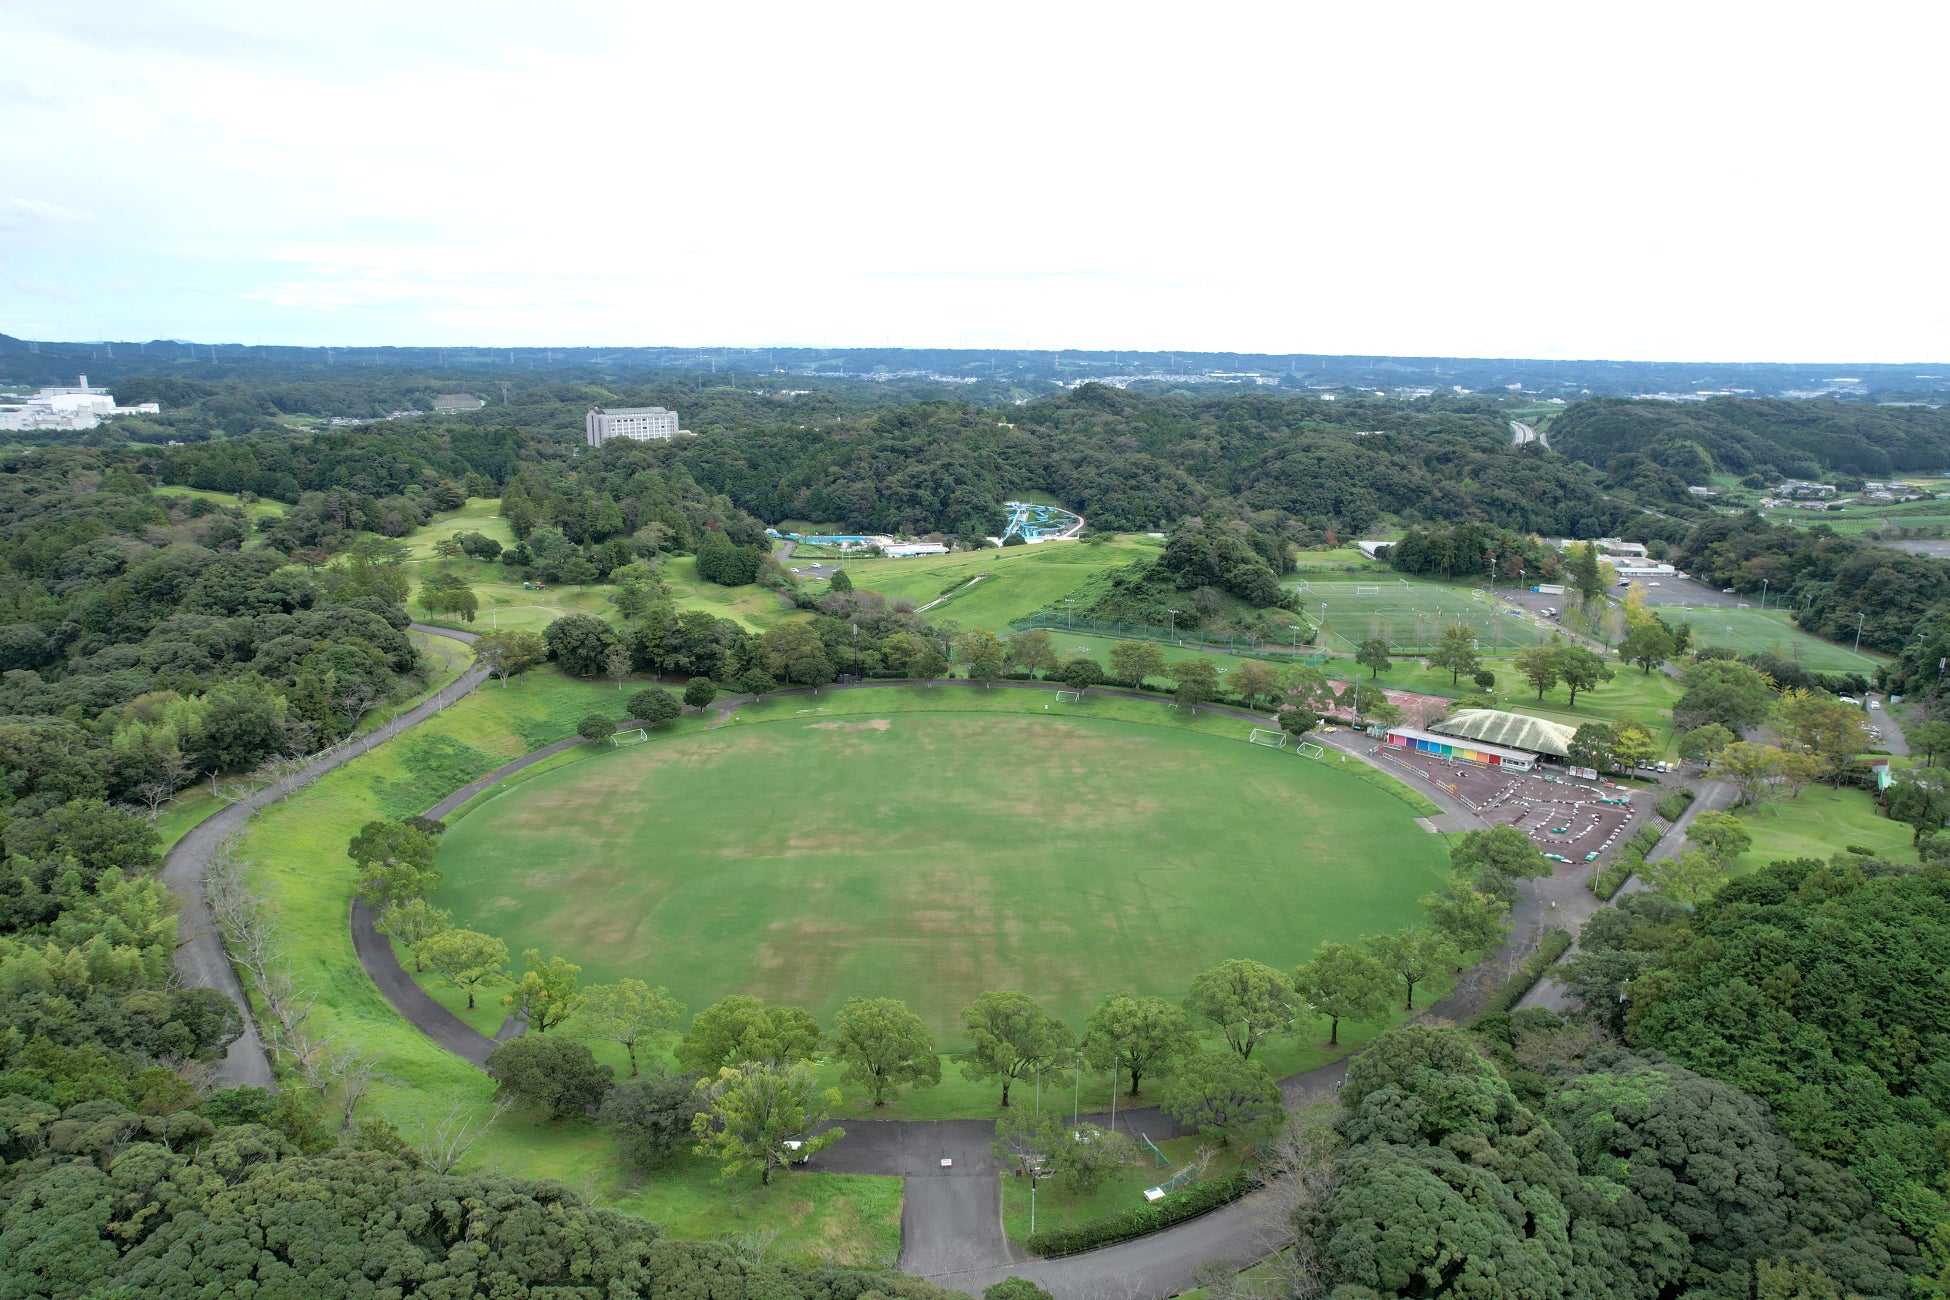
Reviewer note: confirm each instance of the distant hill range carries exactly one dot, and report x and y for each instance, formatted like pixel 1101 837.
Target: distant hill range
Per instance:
pixel 26 362
pixel 1773 438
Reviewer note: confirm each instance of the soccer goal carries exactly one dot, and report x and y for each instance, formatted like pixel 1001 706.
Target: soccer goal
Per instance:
pixel 1307 749
pixel 1270 739
pixel 636 737
pixel 1069 697
pixel 1367 591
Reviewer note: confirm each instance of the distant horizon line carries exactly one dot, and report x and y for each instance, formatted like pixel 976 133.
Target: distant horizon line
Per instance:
pixel 1093 353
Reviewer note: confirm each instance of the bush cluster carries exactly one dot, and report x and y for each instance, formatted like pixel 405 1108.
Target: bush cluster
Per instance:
pixel 1672 805
pixel 1199 1198
pixel 1525 977
pixel 1608 881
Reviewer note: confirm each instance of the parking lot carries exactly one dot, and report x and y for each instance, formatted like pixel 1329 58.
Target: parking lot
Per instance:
pixel 1569 819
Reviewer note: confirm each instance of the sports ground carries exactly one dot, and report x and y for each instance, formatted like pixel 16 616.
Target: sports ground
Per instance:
pixel 1410 614
pixel 934 856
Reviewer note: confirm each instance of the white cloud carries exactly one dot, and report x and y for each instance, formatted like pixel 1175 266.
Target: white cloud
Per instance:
pixel 1660 181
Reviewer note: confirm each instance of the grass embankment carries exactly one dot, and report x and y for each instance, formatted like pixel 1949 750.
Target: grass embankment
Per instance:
pixel 1824 821
pixel 1019 581
pixel 442 658
pixel 297 849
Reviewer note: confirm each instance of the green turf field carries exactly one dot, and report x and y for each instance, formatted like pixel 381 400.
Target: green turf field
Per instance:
pixel 1750 630
pixel 1408 613
pixel 935 857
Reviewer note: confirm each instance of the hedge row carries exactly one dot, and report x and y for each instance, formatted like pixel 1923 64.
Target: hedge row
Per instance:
pixel 1199 1198
pixel 1526 976
pixel 1612 877
pixel 1672 805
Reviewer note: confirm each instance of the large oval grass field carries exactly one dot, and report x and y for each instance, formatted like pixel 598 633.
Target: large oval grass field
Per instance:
pixel 933 856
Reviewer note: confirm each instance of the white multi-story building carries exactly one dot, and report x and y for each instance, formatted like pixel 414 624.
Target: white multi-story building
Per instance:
pixel 80 407
pixel 639 423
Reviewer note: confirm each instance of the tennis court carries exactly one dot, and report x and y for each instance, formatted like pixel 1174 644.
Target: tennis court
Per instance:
pixel 1410 615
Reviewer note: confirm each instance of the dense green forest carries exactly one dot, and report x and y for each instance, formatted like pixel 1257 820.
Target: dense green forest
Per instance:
pixel 1743 436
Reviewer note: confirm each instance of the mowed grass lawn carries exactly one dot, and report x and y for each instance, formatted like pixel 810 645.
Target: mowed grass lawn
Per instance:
pixel 1750 630
pixel 297 853
pixel 1821 823
pixel 933 857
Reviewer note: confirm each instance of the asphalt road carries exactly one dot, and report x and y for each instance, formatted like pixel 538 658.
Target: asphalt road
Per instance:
pixel 200 959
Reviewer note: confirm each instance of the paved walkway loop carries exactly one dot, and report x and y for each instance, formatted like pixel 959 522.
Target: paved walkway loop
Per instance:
pixel 951 1222
pixel 201 961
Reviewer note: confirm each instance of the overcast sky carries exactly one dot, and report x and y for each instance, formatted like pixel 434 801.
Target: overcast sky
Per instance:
pixel 1559 180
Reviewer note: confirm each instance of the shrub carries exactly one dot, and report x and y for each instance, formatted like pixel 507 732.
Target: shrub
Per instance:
pixel 1672 805
pixel 1189 1203
pixel 1525 977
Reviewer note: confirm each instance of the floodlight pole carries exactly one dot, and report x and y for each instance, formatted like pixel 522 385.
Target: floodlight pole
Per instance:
pixel 1763 593
pixel 1174 624
pixel 1113 1099
pixel 1859 616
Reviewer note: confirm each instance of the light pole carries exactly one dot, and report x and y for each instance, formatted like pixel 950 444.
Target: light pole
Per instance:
pixel 1859 616
pixel 1763 593
pixel 1069 613
pixel 1174 623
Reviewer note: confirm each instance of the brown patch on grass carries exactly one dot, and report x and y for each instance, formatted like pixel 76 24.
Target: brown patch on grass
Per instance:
pixel 871 724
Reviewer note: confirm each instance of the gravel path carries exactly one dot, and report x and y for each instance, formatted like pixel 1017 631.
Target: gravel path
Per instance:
pixel 200 959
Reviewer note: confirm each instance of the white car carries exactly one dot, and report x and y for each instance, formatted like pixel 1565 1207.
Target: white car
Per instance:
pixel 1875 704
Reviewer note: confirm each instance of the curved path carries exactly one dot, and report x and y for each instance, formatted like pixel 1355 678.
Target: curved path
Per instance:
pixel 951 1219
pixel 200 959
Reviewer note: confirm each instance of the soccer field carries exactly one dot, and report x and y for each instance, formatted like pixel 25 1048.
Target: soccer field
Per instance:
pixel 1748 630
pixel 933 856
pixel 1410 615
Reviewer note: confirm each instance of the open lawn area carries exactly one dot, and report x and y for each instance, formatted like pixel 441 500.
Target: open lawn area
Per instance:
pixel 1018 581
pixel 940 854
pixel 1747 631
pixel 1823 822
pixel 253 510
pixel 297 853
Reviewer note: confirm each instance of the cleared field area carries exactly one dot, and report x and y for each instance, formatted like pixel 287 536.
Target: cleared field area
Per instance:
pixel 254 510
pixel 1409 614
pixel 1015 581
pixel 937 855
pixel 1751 630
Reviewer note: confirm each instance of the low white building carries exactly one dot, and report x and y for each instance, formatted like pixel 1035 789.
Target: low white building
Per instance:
pixel 908 550
pixel 80 407
pixel 637 423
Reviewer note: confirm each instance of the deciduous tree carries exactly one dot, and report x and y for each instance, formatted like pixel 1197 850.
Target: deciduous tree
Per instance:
pixel 1224 1096
pixel 628 1012
pixel 557 1074
pixel 1197 680
pixel 1247 1000
pixel 1137 1036
pixel 751 1110
pixel 467 959
pixel 742 1028
pixel 1131 662
pixel 1010 1037
pixel 545 995
pixel 1374 655
pixel 884 1046
pixel 1455 650
pixel 1413 953
pixel 1343 983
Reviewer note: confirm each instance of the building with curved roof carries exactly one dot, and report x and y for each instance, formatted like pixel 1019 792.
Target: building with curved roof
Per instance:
pixel 1510 730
